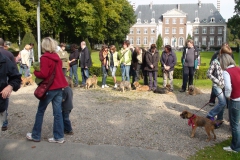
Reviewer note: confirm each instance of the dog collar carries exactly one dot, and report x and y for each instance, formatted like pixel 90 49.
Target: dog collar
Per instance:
pixel 190 121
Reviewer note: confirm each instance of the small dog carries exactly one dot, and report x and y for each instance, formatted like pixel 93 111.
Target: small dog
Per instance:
pixel 197 121
pixel 124 84
pixel 164 90
pixel 27 80
pixel 140 87
pixel 91 82
pixel 193 90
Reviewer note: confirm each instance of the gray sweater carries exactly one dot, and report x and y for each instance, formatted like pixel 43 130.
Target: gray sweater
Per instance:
pixel 189 61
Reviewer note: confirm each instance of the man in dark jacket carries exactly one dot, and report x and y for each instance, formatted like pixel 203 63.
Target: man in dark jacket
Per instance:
pixel 85 62
pixel 10 81
pixel 168 60
pixel 190 62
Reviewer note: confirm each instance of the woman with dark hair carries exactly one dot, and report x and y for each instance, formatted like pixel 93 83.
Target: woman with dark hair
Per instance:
pixel 152 58
pixel 73 61
pixel 113 63
pixel 103 57
pixel 168 61
pixel 64 56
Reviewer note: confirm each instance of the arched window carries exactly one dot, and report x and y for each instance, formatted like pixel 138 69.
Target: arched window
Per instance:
pixel 180 43
pixel 166 40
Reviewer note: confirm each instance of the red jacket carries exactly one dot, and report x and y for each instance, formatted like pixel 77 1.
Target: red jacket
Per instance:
pixel 234 73
pixel 47 64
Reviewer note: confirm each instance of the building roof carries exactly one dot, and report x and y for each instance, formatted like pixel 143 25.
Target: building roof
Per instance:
pixel 203 12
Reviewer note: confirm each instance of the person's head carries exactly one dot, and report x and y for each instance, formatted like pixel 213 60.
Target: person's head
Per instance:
pixel 27 47
pixel 70 81
pixel 6 46
pixel 32 45
pixel 226 50
pixel 189 43
pixel 63 46
pixel 225 44
pixel 153 48
pixel 1 42
pixel 49 45
pixel 74 47
pixel 168 48
pixel 126 44
pixel 113 49
pixel 138 50
pixel 225 61
pixel 104 48
pixel 83 44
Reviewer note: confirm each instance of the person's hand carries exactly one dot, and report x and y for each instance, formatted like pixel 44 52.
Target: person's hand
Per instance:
pixel 151 66
pixel 6 92
pixel 197 67
pixel 167 68
pixel 106 66
pixel 86 67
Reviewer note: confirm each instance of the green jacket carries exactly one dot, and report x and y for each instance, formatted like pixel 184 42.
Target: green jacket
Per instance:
pixel 115 59
pixel 64 56
pixel 125 56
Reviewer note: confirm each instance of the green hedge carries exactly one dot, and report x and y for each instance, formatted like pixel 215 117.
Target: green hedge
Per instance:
pixel 200 74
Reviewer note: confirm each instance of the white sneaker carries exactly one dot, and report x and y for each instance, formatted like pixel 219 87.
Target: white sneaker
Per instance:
pixel 103 86
pixel 29 137
pixel 106 86
pixel 115 86
pixel 53 140
pixel 228 148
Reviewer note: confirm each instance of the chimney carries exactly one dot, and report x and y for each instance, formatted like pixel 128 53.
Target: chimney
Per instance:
pixel 178 7
pixel 218 5
pixel 199 4
pixel 150 5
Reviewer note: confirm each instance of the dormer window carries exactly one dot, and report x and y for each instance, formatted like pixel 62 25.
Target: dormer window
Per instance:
pixel 153 20
pixel 197 20
pixel 220 20
pixel 212 20
pixel 204 20
pixel 138 20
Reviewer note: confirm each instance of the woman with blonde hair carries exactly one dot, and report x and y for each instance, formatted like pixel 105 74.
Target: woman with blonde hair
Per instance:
pixel 49 63
pixel 25 61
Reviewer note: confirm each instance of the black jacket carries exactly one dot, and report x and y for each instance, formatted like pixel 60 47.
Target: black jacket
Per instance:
pixel 9 76
pixel 74 55
pixel 152 60
pixel 85 58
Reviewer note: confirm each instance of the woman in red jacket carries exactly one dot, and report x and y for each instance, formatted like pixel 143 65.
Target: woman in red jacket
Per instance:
pixel 48 62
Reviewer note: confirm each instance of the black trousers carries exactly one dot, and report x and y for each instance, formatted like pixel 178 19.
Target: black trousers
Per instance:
pixel 188 73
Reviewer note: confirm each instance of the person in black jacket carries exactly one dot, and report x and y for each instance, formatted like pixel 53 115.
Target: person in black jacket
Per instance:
pixel 73 60
pixel 10 81
pixel 85 62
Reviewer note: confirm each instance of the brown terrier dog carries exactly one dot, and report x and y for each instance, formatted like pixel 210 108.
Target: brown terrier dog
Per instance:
pixel 193 90
pixel 124 84
pixel 197 121
pixel 140 87
pixel 91 82
pixel 27 80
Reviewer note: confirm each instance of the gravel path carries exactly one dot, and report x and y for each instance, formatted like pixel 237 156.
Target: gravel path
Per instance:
pixel 107 116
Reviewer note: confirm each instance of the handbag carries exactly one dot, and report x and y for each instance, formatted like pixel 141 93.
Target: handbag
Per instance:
pixel 43 87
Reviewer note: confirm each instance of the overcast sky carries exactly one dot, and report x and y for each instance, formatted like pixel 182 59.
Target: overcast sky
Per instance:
pixel 226 7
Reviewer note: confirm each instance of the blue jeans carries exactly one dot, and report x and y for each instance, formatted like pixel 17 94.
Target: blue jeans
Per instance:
pixel 66 122
pixel 104 75
pixel 30 64
pixel 73 71
pixel 85 75
pixel 219 108
pixel 234 117
pixel 113 69
pixel 5 121
pixel 125 69
pixel 152 79
pixel 24 70
pixel 54 96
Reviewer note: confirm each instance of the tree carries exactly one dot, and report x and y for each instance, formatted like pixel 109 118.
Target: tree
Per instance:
pixel 159 42
pixel 189 36
pixel 117 46
pixel 88 45
pixel 29 38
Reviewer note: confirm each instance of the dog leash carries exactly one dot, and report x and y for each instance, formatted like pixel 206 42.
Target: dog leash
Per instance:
pixel 208 102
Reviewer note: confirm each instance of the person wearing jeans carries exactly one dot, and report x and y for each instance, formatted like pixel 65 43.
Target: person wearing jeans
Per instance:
pixel 113 63
pixel 50 62
pixel 73 60
pixel 103 57
pixel 231 75
pixel 125 58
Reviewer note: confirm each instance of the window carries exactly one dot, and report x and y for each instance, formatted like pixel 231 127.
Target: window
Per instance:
pixel 145 41
pixel 204 41
pixel 131 40
pixel 196 20
pixel 166 21
pixel 173 30
pixel 153 20
pixel 181 20
pixel 219 42
pixel 196 31
pixel 138 20
pixel 212 30
pixel 138 41
pixel 204 30
pixel 166 30
pixel 196 41
pixel 212 41
pixel 212 20
pixel 180 41
pixel 180 30
pixel 220 30
pixel 131 31
pixel 173 21
pixel 145 31
pixel 152 40
pixel 152 31
pixel 138 31
pixel 166 40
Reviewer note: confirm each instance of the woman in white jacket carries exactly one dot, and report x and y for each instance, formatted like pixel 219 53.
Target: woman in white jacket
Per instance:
pixel 25 60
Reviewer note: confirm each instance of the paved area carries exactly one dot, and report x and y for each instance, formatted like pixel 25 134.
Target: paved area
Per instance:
pixel 27 150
